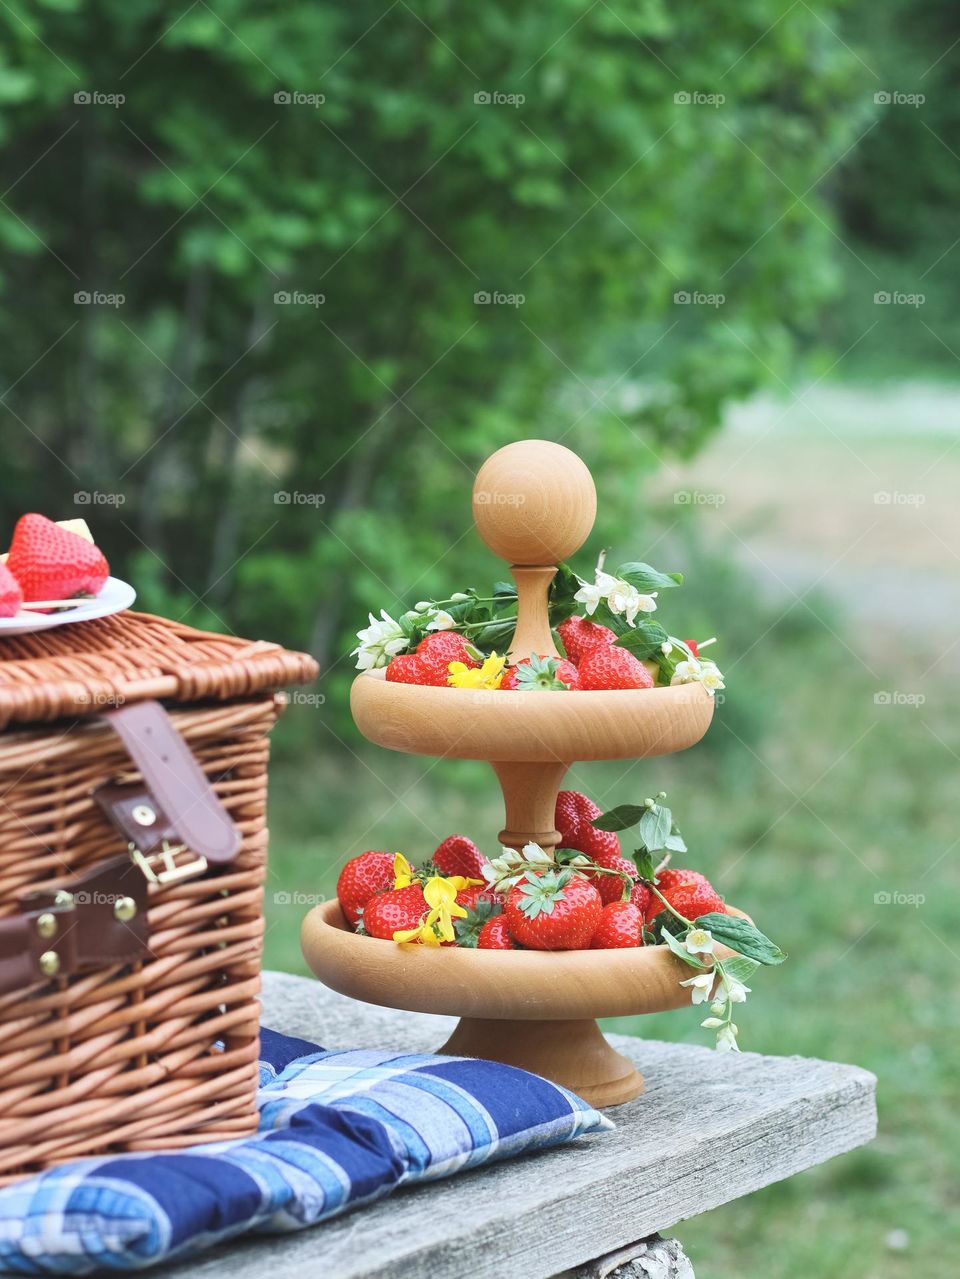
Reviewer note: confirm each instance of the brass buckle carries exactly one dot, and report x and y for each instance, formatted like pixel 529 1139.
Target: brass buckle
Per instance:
pixel 171 872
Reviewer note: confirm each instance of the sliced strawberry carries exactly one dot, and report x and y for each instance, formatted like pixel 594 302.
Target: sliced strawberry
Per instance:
pixel 51 563
pixel 11 596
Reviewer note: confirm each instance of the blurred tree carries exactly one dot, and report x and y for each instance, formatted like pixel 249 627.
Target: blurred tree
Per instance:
pixel 597 160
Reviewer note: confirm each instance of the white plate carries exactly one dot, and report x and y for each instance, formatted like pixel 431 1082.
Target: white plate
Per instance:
pixel 113 598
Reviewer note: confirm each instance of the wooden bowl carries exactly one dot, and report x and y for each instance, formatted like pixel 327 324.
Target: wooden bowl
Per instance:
pixel 460 723
pixel 535 1009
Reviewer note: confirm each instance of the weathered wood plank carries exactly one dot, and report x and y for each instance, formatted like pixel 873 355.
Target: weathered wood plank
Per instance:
pixel 709 1129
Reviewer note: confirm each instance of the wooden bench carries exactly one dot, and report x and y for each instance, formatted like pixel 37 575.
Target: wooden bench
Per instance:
pixel 710 1128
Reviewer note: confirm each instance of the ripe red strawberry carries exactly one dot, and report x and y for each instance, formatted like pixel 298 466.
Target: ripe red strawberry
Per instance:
pixel 607 667
pixel 469 930
pixel 495 935
pixel 371 872
pixel 458 855
pixel 621 925
pixel 688 892
pixel 573 817
pixel 610 887
pixel 541 673
pixel 409 669
pixel 11 596
pixel 390 912
pixel 51 563
pixel 438 650
pixel 558 910
pixel 580 635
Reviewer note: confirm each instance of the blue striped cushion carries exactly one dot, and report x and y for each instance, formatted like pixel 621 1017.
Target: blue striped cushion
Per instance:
pixel 337 1129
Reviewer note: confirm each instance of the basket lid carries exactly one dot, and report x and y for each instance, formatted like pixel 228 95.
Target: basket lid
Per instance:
pixel 85 669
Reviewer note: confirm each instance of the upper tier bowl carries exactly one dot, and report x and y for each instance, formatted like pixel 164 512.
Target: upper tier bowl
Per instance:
pixel 529 727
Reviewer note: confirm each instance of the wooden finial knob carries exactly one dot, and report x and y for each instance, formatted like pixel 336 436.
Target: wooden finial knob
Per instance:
pixel 534 502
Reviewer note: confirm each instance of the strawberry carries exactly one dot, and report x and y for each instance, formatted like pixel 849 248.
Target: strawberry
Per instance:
pixel 692 645
pixel 621 925
pixel 371 872
pixel 11 596
pixel 580 635
pixel 390 912
pixel 438 650
pixel 607 667
pixel 688 892
pixel 51 563
pixel 611 887
pixel 494 935
pixel 469 930
pixel 573 818
pixel 540 673
pixel 409 669
pixel 558 910
pixel 458 855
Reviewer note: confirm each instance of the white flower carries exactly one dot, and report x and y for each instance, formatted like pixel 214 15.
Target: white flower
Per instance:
pixel 735 990
pixel 727 1039
pixel 700 986
pixel 694 671
pixel 626 599
pixel 534 853
pixel 698 941
pixel 441 621
pixel 424 606
pixel 458 597
pixel 666 648
pixel 379 642
pixel 589 596
pixel 719 1007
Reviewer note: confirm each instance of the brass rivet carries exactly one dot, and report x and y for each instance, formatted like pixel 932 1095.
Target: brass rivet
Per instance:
pixel 143 815
pixel 63 899
pixel 124 908
pixel 49 963
pixel 47 925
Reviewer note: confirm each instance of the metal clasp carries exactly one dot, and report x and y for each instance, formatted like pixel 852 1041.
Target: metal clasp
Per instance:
pixel 166 858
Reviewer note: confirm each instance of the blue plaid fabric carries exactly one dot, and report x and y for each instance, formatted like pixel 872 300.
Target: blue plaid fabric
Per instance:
pixel 337 1129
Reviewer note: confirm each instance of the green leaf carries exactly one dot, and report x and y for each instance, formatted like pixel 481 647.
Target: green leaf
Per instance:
pixel 505 590
pixel 644 862
pixel 675 842
pixel 620 818
pixel 655 826
pixel 647 579
pixel 679 950
pixel 643 640
pixel 742 936
pixel 740 967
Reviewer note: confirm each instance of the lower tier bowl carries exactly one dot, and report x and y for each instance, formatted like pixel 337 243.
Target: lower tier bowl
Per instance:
pixel 534 1009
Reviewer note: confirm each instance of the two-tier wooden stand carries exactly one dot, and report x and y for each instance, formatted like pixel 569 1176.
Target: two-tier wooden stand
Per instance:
pixel 534 504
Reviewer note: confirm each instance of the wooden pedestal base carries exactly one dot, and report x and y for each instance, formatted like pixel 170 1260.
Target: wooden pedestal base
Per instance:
pixel 572 1053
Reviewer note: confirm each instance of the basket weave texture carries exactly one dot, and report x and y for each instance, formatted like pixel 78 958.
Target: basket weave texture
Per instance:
pixel 161 1053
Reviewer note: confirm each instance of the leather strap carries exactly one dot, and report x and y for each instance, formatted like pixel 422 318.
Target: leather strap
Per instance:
pixel 175 781
pixel 90 921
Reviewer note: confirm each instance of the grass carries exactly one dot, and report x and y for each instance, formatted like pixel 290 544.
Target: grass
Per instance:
pixel 806 801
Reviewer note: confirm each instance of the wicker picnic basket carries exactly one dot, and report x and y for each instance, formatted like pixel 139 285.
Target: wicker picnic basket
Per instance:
pixel 133 839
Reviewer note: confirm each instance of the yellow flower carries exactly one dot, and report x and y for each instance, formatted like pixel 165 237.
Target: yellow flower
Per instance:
pixel 488 675
pixel 403 872
pixel 436 926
